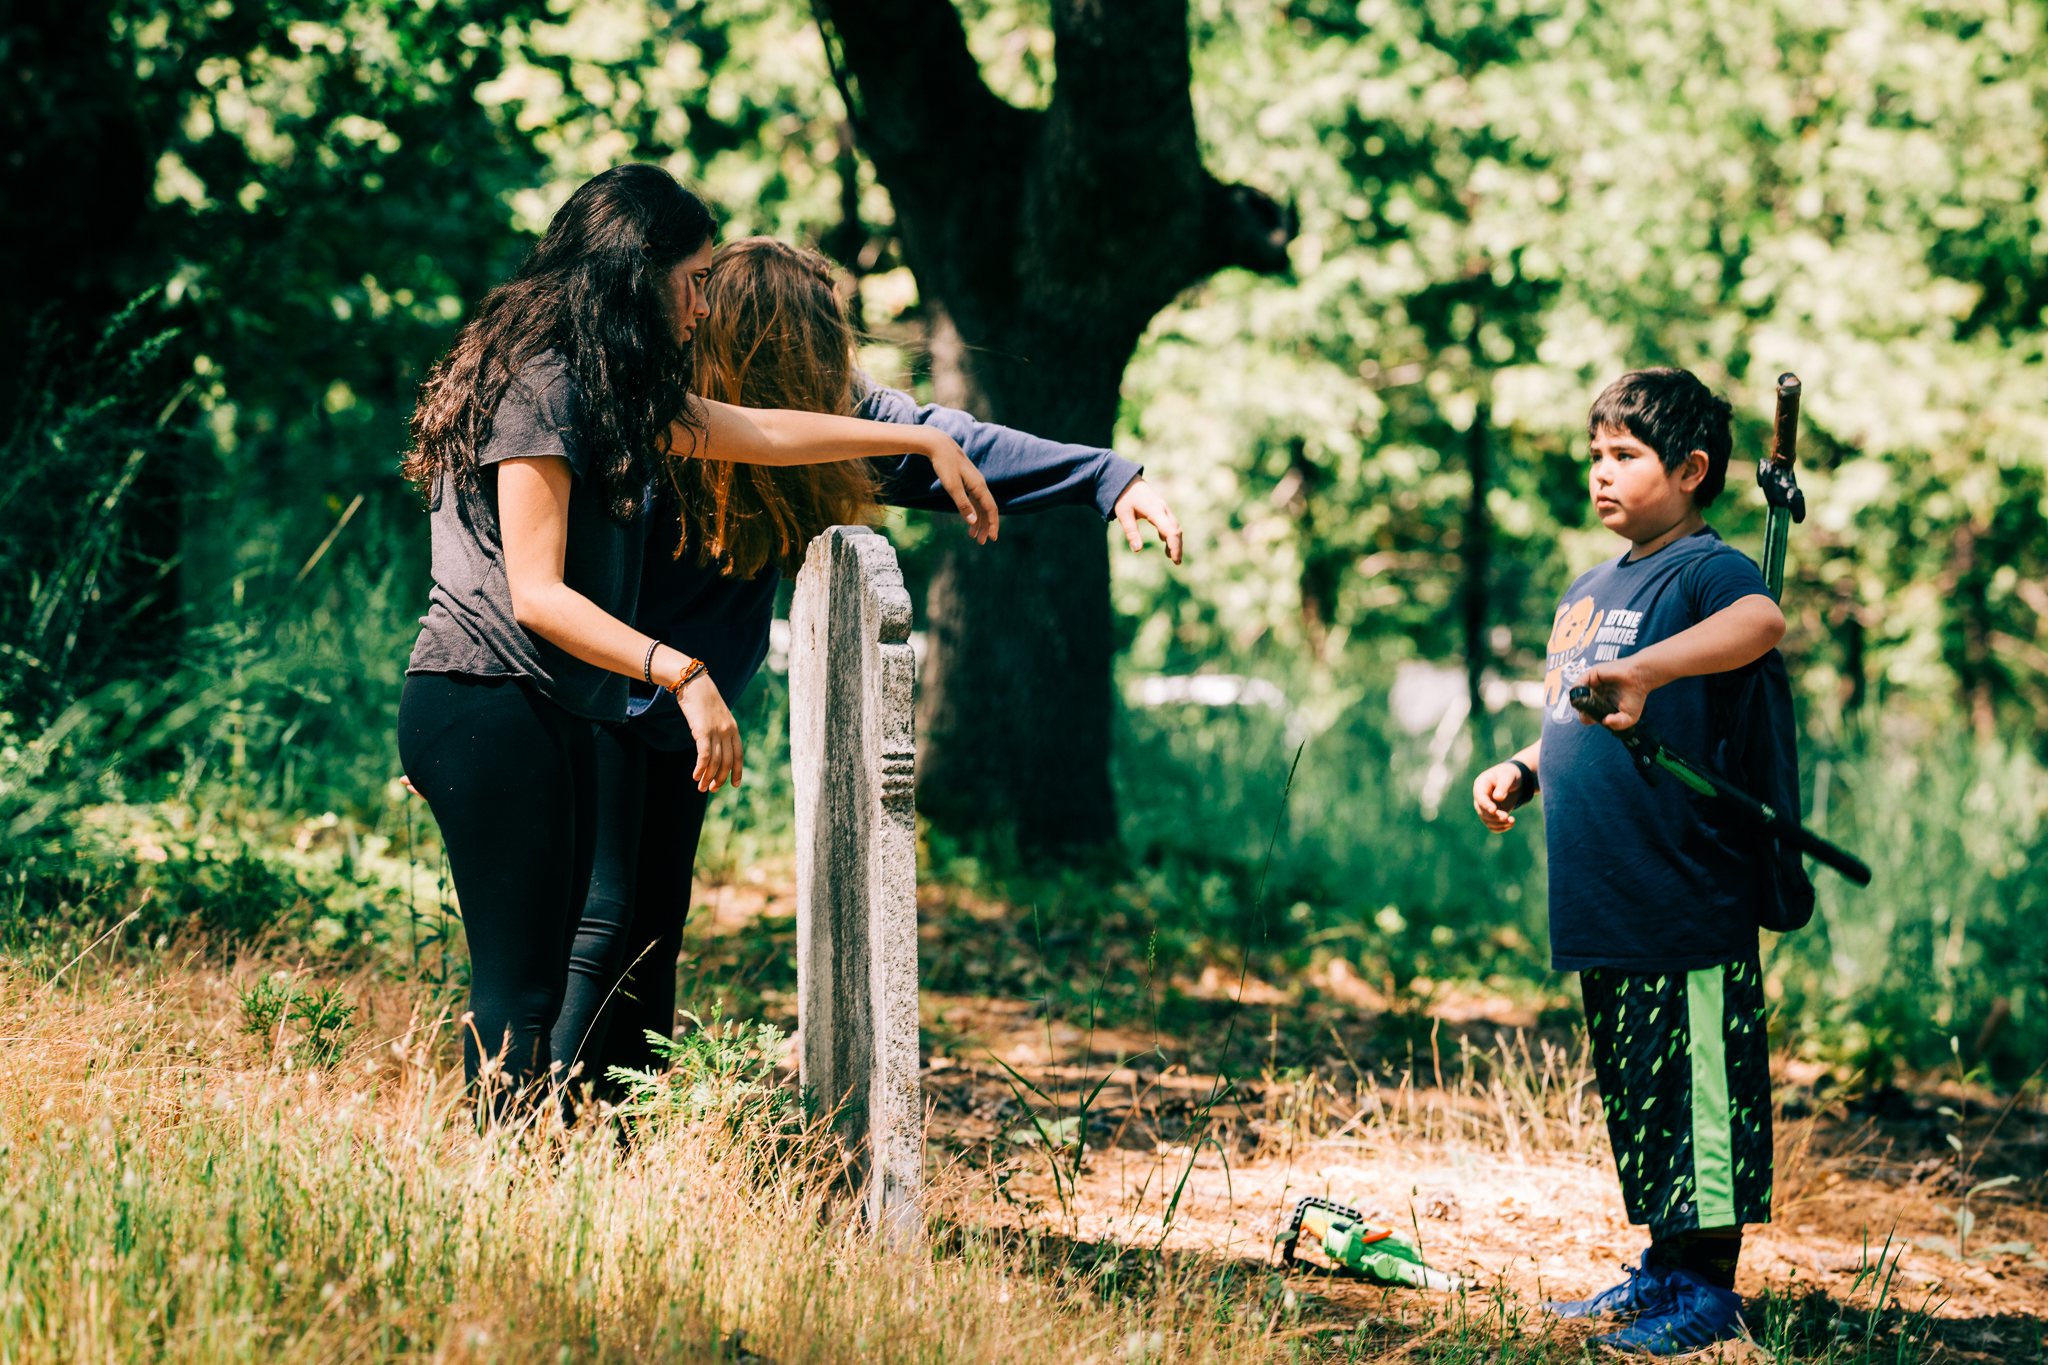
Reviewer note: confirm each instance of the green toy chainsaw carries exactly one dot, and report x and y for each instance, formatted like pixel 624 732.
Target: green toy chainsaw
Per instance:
pixel 1343 1236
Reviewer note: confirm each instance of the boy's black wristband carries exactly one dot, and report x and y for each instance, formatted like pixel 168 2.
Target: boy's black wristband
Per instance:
pixel 1527 787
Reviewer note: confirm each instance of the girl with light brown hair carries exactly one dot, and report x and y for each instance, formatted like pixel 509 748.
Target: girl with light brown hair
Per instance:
pixel 535 441
pixel 777 336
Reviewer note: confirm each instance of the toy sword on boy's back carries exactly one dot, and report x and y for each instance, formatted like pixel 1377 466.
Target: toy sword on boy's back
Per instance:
pixel 1785 503
pixel 1652 758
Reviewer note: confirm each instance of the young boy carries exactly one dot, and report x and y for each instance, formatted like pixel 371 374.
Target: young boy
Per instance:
pixel 1654 893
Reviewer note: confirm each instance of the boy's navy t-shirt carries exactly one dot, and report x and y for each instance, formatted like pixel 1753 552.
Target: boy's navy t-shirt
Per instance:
pixel 1643 878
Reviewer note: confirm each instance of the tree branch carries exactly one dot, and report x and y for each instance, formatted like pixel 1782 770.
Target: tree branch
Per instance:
pixel 948 149
pixel 912 88
pixel 1245 227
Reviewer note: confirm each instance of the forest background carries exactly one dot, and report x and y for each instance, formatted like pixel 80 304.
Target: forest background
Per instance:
pixel 250 229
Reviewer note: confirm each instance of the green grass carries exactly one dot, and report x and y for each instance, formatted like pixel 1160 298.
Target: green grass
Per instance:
pixel 1934 961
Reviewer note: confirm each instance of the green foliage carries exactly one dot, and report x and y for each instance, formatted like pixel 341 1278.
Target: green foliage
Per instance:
pixel 74 587
pixel 721 1067
pixel 229 898
pixel 1510 206
pixel 291 1017
pixel 1950 925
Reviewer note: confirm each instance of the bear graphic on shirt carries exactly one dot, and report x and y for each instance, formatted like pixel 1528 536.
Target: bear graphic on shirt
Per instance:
pixel 1583 635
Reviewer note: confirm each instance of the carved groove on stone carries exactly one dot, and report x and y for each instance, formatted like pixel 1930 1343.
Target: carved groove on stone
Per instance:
pixel 899 775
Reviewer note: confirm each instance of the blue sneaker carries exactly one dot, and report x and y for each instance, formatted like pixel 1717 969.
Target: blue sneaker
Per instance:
pixel 1642 1292
pixel 1695 1315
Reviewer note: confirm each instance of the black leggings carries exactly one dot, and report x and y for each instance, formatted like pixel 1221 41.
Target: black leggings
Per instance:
pixel 512 780
pixel 622 970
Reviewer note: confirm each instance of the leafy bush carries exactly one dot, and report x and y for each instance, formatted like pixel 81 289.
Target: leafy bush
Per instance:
pixel 86 560
pixel 152 747
pixel 233 897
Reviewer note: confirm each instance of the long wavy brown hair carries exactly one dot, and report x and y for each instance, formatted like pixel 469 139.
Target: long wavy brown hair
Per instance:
pixel 777 336
pixel 593 291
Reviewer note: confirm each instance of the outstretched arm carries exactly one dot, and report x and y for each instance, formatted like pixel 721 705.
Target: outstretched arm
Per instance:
pixel 1733 637
pixel 777 437
pixel 1025 473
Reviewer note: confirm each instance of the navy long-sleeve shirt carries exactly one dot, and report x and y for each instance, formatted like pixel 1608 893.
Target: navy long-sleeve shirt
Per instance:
pixel 724 621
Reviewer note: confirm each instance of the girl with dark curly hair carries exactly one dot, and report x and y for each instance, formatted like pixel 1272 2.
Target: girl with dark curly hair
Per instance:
pixel 537 442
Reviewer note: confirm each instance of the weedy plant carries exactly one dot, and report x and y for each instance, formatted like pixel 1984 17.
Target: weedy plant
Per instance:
pixel 721 1066
pixel 1870 1322
pixel 1958 1247
pixel 294 1018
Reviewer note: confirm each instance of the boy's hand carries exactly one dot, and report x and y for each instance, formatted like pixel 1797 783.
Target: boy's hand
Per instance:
pixel 1735 636
pixel 1495 793
pixel 1622 685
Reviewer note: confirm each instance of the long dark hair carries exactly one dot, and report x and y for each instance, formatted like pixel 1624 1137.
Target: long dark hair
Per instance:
pixel 777 336
pixel 595 292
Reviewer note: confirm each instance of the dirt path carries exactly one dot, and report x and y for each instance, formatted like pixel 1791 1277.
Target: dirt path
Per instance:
pixel 1502 1172
pixel 1485 1201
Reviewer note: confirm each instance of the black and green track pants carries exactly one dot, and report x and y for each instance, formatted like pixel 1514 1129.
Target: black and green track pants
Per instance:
pixel 1685 1078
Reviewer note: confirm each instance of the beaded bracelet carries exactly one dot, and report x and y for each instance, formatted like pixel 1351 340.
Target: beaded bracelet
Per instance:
pixel 647 664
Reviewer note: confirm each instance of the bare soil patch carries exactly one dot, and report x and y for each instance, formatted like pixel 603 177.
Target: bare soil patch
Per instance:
pixel 1527 1215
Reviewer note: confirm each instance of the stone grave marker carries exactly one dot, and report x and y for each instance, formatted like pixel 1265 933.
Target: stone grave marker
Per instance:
pixel 853 754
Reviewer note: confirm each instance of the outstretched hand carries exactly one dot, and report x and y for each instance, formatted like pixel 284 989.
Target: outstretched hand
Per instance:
pixel 1140 501
pixel 965 485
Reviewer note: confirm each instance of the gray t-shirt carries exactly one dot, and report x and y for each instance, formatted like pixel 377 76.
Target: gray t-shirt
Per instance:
pixel 469 627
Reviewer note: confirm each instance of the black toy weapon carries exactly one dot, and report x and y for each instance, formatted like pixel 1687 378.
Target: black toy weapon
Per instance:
pixel 1653 758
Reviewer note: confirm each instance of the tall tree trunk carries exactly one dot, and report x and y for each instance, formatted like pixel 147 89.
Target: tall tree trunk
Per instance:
pixel 1321 571
pixel 1046 240
pixel 1014 706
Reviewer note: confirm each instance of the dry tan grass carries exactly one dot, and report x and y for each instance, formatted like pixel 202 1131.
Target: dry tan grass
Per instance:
pixel 1496 1159
pixel 169 1190
pixel 173 1189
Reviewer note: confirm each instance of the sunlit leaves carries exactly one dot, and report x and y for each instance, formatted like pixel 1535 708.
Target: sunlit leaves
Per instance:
pixel 1520 203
